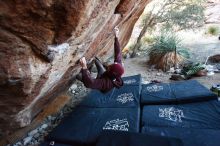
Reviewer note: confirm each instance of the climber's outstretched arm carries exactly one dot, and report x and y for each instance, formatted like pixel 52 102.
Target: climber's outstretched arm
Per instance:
pixel 117 48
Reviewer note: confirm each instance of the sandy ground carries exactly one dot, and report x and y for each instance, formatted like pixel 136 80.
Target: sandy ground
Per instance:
pixel 139 65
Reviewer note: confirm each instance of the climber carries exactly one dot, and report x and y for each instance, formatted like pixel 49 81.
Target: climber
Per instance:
pixel 107 78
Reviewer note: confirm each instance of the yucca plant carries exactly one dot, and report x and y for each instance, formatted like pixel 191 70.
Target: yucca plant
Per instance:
pixel 167 52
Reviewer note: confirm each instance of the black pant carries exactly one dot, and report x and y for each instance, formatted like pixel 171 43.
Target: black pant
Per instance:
pixel 100 69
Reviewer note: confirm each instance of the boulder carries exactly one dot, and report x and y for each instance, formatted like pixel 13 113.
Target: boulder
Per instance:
pixel 41 42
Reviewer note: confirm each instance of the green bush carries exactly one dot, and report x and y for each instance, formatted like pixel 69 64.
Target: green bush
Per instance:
pixel 213 30
pixel 148 40
pixel 131 46
pixel 168 42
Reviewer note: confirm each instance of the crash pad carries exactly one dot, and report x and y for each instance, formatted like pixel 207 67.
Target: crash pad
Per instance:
pixel 195 123
pixel 175 92
pixel 83 125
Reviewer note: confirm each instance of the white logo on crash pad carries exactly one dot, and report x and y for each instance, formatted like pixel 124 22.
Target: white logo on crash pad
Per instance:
pixel 171 114
pixel 130 81
pixel 125 97
pixel 121 125
pixel 154 88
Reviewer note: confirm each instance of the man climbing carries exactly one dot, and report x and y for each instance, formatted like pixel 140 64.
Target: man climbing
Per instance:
pixel 107 78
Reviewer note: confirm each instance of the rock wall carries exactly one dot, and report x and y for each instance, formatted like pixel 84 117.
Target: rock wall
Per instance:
pixel 40 42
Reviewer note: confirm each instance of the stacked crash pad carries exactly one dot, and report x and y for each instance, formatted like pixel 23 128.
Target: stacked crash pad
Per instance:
pixel 179 113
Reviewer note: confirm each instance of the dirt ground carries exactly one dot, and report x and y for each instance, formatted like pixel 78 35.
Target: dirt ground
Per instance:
pixel 139 65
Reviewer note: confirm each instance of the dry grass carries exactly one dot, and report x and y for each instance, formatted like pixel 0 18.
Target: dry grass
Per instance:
pixel 165 61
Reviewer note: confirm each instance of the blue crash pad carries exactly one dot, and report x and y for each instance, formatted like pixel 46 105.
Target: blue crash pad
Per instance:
pixel 193 115
pixel 132 80
pixel 189 137
pixel 84 124
pixel 122 138
pixel 126 96
pixel 116 138
pixel 176 92
pixel 52 143
pixel 156 93
pixel 194 123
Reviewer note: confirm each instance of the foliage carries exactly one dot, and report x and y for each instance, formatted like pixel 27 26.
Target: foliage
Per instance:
pixel 181 14
pixel 168 42
pixel 131 46
pixel 144 18
pixel 213 30
pixel 172 15
pixel 192 69
pixel 126 51
pixel 148 40
pixel 167 51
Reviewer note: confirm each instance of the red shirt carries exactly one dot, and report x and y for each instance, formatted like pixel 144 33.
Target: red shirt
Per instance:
pixel 104 83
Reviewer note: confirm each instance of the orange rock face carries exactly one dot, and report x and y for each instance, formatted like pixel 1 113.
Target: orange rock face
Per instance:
pixel 40 42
